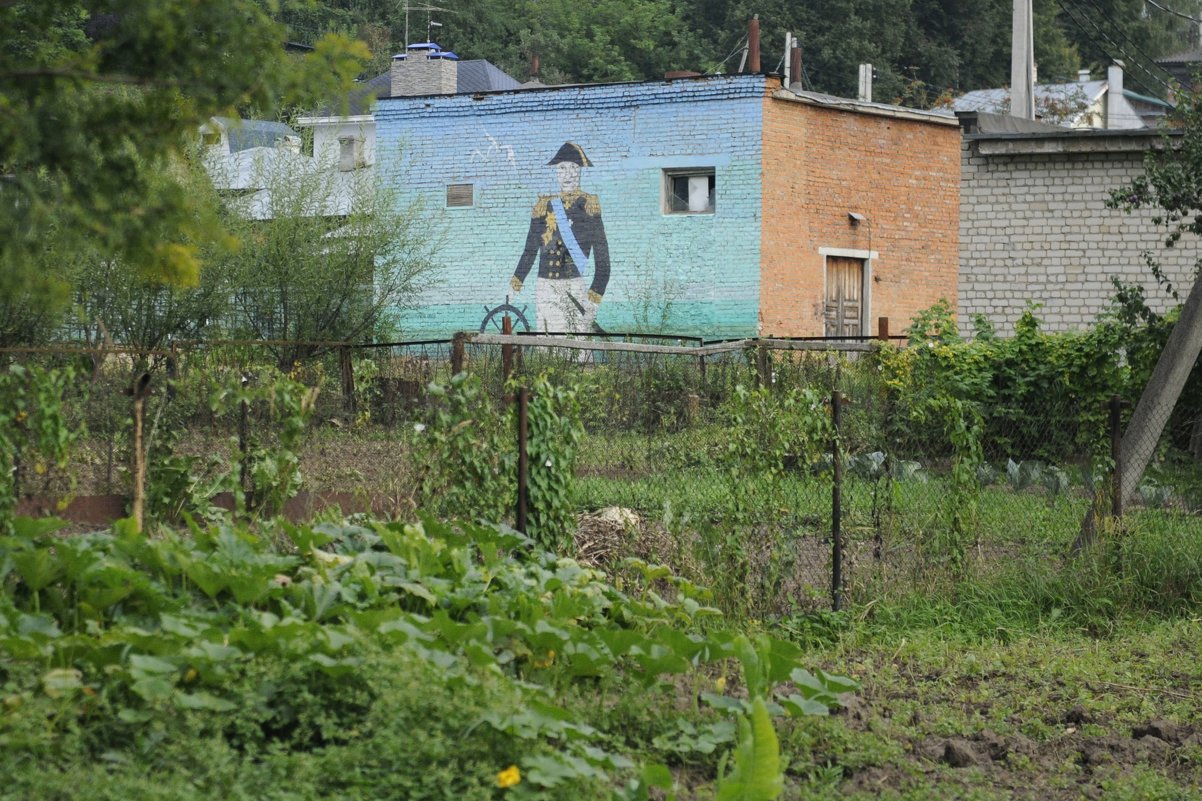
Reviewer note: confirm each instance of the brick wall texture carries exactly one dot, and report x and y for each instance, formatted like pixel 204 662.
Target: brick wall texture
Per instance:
pixel 902 175
pixel 1034 228
pixel 682 273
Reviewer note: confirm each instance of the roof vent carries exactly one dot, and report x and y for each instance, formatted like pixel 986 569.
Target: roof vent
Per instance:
pixel 1082 76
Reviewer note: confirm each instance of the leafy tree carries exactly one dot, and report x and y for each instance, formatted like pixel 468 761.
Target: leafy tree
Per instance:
pixel 98 97
pixel 323 256
pixel 113 299
pixel 921 49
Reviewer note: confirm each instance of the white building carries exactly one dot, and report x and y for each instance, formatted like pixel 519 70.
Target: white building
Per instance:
pixel 1084 103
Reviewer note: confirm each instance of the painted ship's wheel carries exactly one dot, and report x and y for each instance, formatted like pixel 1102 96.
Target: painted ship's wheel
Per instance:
pixel 494 316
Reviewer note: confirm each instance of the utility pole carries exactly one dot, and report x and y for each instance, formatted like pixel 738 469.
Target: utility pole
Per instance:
pixel 1022 63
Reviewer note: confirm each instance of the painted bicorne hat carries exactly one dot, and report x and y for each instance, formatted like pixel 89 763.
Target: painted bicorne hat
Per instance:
pixel 571 153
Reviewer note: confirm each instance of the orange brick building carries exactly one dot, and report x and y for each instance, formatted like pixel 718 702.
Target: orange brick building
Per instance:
pixel 860 214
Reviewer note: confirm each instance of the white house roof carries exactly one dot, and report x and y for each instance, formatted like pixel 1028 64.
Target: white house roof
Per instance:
pixel 996 101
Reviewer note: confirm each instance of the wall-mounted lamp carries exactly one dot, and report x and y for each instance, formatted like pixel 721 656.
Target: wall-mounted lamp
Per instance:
pixel 855 218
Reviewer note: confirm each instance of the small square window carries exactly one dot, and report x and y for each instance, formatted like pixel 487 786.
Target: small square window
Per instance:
pixel 460 195
pixel 689 191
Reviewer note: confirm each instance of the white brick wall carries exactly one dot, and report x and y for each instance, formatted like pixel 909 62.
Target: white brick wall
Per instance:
pixel 1034 227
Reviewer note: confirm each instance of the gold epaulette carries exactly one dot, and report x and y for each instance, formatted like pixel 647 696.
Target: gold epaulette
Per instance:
pixel 592 206
pixel 542 206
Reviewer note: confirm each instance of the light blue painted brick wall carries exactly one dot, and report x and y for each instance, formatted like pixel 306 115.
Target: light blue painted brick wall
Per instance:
pixel 704 269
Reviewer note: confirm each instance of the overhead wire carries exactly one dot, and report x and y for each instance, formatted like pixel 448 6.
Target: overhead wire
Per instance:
pixel 738 48
pixel 1111 19
pixel 1134 62
pixel 1147 60
pixel 1174 12
pixel 805 75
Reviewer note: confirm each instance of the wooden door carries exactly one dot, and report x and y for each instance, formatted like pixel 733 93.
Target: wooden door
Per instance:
pixel 844 296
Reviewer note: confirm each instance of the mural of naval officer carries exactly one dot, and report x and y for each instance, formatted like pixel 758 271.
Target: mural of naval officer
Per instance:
pixel 564 230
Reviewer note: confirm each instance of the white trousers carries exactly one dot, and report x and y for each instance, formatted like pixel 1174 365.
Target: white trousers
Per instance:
pixel 555 310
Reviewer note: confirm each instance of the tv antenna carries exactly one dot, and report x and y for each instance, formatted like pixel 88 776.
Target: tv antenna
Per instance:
pixel 429 9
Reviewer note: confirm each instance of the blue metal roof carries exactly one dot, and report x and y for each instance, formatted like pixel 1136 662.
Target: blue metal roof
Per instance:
pixel 428 49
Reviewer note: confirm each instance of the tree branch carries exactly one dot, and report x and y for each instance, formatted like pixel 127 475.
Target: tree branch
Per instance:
pixel 51 73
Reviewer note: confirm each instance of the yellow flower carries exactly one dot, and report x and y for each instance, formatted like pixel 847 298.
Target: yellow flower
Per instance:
pixel 509 777
pixel 720 684
pixel 20 418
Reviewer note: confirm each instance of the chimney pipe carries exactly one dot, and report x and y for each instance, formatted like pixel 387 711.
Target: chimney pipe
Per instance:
pixel 535 66
pixel 865 90
pixel 1114 94
pixel 788 62
pixel 795 62
pixel 753 45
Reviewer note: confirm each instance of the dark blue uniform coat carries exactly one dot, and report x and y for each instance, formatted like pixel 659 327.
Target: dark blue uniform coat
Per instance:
pixel 546 241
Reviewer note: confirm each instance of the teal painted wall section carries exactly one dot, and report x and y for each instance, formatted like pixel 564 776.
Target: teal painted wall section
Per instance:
pixel 682 273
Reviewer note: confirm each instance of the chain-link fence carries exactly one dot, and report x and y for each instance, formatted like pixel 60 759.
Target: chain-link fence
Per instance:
pixel 732 462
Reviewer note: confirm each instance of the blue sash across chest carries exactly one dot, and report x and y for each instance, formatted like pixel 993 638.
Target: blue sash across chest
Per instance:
pixel 569 237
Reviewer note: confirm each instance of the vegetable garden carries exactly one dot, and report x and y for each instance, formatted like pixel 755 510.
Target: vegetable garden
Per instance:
pixel 712 561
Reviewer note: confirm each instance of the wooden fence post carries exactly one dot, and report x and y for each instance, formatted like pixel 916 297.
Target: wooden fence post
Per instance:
pixel 140 390
pixel 457 352
pixel 763 363
pixel 172 370
pixel 506 351
pixel 347 369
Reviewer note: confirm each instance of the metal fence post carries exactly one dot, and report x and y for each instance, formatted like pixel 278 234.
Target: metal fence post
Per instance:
pixel 836 504
pixel 244 442
pixel 523 460
pixel 1116 441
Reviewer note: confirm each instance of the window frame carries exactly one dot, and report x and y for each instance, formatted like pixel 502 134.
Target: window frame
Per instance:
pixel 669 174
pixel 471 189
